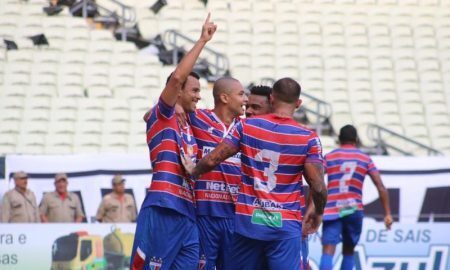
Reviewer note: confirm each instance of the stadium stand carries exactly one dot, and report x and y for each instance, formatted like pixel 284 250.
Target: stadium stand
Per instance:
pixel 385 62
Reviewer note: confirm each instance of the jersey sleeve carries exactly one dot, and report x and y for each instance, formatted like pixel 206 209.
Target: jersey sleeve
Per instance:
pixel 191 117
pixel 325 163
pixel 371 166
pixel 234 136
pixel 161 110
pixel 314 153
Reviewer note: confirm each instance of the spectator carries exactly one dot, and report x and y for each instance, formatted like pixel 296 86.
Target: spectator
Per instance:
pixel 19 204
pixel 117 206
pixel 60 205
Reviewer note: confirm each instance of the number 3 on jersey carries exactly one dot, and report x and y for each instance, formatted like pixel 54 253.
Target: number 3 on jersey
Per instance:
pixel 269 172
pixel 347 168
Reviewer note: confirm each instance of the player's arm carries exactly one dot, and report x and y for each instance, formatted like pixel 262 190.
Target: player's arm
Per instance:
pixel 223 151
pixel 179 76
pixel 384 197
pixel 314 176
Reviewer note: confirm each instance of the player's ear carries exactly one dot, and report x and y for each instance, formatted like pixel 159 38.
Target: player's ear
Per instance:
pixel 224 98
pixel 299 102
pixel 271 100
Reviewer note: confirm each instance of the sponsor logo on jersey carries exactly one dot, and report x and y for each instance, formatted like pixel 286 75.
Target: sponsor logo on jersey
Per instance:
pixel 236 159
pixel 220 186
pixel 267 204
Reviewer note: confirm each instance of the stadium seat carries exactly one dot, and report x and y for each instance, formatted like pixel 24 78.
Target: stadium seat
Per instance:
pixel 61 127
pixel 59 144
pixel 86 143
pixel 114 143
pixel 121 128
pixel 7 144
pixel 83 127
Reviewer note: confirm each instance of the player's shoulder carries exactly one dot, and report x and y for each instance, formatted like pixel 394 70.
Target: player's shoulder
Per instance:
pixel 259 120
pixel 306 129
pixel 199 114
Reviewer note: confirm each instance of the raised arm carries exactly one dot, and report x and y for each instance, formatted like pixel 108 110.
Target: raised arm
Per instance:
pixel 209 162
pixel 314 176
pixel 179 76
pixel 384 197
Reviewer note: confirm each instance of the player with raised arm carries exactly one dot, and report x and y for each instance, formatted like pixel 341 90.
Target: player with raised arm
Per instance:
pixel 347 166
pixel 275 152
pixel 166 233
pixel 216 191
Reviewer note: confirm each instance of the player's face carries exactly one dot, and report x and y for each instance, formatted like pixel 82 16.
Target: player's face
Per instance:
pixel 190 94
pixel 237 99
pixel 257 105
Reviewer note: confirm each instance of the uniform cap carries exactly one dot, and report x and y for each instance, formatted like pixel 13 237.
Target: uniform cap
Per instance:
pixel 20 174
pixel 60 176
pixel 117 179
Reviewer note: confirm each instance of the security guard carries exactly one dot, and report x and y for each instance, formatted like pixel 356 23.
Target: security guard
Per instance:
pixel 19 204
pixel 61 205
pixel 117 206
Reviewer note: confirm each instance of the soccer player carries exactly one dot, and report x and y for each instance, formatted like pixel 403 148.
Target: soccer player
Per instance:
pixel 216 191
pixel 275 152
pixel 347 167
pixel 259 101
pixel 166 233
pixel 259 104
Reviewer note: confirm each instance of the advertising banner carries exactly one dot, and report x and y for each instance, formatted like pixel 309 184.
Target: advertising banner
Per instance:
pixel 76 246
pixel 419 190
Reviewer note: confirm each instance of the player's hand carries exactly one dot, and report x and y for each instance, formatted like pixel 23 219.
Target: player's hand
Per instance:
pixel 388 221
pixel 181 115
pixel 208 29
pixel 188 164
pixel 311 223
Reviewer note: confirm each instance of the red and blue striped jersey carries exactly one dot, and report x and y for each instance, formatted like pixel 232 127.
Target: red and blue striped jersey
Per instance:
pixel 215 191
pixel 346 167
pixel 273 153
pixel 170 186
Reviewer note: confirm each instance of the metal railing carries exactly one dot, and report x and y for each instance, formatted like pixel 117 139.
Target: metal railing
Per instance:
pixel 321 109
pixel 376 133
pixel 127 14
pixel 219 66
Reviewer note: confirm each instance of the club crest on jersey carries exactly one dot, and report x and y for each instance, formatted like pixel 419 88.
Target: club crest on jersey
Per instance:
pixel 155 263
pixel 202 262
pixel 210 130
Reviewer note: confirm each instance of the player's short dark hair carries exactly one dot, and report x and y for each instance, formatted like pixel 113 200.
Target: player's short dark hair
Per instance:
pixel 348 134
pixel 193 74
pixel 261 90
pixel 286 90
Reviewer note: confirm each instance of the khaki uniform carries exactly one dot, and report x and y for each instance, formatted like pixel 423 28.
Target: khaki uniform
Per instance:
pixel 115 209
pixel 57 209
pixel 20 208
